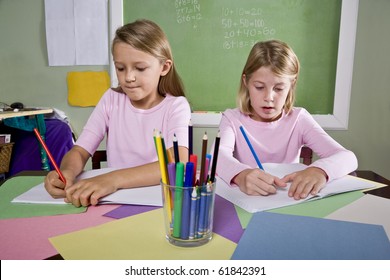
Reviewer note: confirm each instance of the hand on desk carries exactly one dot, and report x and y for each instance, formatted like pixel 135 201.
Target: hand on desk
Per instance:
pixel 305 182
pixel 308 181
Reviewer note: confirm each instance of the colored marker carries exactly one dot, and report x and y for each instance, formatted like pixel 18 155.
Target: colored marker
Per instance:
pixel 202 209
pixel 194 199
pixel 186 206
pixel 178 201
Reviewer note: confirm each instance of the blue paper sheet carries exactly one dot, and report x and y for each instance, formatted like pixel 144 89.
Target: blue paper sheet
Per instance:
pixel 271 236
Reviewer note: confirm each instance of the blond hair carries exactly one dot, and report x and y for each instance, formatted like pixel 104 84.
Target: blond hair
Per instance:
pixel 282 61
pixel 146 36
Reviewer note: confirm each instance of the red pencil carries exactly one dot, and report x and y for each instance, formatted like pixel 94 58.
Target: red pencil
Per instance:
pixel 62 178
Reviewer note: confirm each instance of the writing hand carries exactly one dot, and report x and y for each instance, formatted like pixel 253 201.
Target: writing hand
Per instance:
pixel 258 182
pixel 54 185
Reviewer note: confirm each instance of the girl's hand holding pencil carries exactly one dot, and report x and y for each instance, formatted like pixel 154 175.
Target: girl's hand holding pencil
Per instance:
pixel 258 182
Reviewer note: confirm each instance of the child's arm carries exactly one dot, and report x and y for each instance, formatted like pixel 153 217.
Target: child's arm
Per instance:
pixel 89 191
pixel 335 160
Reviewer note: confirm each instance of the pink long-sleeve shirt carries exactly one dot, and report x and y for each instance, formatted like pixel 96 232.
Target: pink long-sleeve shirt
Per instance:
pixel 130 130
pixel 278 142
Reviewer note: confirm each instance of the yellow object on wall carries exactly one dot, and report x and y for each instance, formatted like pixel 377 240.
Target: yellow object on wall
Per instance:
pixel 86 88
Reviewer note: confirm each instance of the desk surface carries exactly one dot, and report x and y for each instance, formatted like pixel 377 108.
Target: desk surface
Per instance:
pixel 42 228
pixel 25 112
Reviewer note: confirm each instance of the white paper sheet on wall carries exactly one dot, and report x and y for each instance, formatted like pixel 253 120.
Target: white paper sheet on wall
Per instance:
pixel 76 32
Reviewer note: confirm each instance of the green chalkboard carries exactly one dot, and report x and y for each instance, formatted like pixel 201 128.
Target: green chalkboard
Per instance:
pixel 211 40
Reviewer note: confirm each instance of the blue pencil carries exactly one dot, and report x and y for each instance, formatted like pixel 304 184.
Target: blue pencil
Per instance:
pixel 251 148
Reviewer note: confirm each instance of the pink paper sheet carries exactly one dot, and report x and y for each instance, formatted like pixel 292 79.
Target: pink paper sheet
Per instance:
pixel 27 238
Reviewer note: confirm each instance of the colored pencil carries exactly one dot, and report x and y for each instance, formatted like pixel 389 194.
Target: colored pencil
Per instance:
pixel 190 139
pixel 251 148
pixel 53 162
pixel 203 161
pixel 176 149
pixel 215 158
pixel 161 159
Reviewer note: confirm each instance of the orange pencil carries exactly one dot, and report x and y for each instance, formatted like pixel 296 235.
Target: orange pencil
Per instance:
pixel 62 178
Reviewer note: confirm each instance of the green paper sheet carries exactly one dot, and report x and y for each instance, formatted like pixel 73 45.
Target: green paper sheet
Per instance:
pixel 15 186
pixel 138 237
pixel 319 208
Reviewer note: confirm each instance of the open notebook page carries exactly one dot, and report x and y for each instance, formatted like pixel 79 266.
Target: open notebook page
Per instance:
pixel 139 196
pixel 254 204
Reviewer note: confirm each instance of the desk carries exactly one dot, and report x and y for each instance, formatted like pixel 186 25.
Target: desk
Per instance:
pixel 33 233
pixel 17 119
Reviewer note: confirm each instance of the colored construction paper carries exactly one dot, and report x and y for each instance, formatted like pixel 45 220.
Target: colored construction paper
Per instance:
pixel 124 211
pixel 86 88
pixel 370 209
pixel 138 237
pixel 15 186
pixel 271 236
pixel 226 222
pixel 27 238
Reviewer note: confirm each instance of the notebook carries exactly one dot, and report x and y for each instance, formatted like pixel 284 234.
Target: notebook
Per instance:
pixel 254 204
pixel 138 196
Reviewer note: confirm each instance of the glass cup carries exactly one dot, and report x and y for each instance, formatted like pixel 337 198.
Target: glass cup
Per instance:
pixel 188 214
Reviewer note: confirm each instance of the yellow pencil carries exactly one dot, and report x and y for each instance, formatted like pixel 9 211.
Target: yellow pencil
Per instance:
pixel 164 174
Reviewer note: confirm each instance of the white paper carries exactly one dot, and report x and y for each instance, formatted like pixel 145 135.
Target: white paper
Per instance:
pixel 77 32
pixel 151 196
pixel 369 209
pixel 254 204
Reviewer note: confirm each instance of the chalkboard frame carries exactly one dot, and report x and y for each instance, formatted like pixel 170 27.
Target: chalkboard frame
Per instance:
pixel 346 49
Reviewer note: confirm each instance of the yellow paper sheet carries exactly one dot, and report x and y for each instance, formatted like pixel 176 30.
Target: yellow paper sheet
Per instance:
pixel 86 88
pixel 139 237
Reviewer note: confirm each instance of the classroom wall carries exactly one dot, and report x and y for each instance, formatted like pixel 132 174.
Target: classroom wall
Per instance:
pixel 25 76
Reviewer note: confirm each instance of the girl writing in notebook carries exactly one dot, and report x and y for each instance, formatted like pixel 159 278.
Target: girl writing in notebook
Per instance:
pixel 150 96
pixel 276 129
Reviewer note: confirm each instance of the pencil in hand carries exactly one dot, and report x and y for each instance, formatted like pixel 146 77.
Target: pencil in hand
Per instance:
pixel 53 162
pixel 251 148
